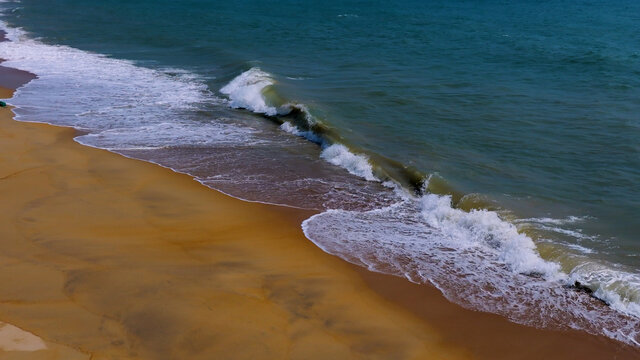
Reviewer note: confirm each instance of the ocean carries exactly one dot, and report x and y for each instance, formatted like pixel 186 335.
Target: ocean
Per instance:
pixel 489 148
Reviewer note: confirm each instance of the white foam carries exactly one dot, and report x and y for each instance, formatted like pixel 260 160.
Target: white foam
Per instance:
pixel 573 233
pixel 245 91
pixel 617 287
pixel 476 259
pixel 105 84
pixel 122 105
pixel 547 220
pixel 338 154
pixel 580 248
pixel 484 228
pixel 166 134
pixel 309 135
pixel 555 225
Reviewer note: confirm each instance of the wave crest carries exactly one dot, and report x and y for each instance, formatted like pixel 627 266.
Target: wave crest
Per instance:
pixel 246 91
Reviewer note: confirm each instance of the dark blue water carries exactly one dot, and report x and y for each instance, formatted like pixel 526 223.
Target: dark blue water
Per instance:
pixel 528 108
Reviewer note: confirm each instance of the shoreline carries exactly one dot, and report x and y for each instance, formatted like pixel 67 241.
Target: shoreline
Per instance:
pixel 183 272
pixel 377 315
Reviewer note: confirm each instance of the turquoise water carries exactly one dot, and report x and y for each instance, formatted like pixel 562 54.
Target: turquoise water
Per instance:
pixel 531 109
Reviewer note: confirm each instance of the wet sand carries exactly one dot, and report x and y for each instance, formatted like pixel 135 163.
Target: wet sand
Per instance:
pixel 12 78
pixel 118 258
pixel 106 257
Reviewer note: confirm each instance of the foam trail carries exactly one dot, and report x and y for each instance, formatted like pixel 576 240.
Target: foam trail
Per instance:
pixel 579 248
pixel 339 155
pixel 122 106
pixel 546 220
pixel 555 225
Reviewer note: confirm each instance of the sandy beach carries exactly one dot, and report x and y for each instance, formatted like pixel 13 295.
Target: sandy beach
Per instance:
pixel 106 257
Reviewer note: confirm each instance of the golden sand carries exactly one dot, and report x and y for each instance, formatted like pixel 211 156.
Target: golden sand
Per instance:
pixel 118 258
pixel 105 257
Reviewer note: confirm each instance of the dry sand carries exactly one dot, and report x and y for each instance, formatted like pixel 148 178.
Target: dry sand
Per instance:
pixel 105 257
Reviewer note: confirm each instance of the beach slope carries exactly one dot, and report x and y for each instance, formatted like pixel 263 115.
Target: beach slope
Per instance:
pixel 106 257
pixel 118 258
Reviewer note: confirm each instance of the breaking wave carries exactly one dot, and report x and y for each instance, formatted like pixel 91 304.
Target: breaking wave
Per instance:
pixel 480 262
pixel 476 258
pixel 247 91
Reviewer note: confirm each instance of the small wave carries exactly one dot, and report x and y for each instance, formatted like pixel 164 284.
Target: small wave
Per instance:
pixel 358 165
pixel 336 154
pixel 246 92
pixel 485 228
pixel 308 134
pixel 619 288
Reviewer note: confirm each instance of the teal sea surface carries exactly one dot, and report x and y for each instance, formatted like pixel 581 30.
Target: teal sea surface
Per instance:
pixel 490 148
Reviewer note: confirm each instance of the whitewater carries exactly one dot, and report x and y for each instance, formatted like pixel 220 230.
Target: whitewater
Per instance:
pixel 475 258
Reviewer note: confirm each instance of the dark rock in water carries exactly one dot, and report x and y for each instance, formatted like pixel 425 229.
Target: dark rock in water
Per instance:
pixel 584 288
pixel 3 104
pixel 533 274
